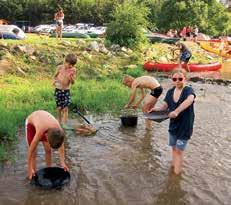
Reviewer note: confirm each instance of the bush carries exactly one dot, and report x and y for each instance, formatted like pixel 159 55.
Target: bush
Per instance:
pixel 127 27
pixel 135 72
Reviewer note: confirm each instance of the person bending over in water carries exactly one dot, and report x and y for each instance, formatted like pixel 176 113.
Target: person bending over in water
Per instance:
pixel 42 126
pixel 150 100
pixel 179 101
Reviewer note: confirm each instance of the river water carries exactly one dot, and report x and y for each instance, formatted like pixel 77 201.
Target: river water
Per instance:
pixel 131 166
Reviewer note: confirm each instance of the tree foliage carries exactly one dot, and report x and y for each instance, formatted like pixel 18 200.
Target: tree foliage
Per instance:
pixel 126 29
pixel 209 15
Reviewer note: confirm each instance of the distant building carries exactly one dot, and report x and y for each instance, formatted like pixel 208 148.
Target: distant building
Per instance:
pixel 4 22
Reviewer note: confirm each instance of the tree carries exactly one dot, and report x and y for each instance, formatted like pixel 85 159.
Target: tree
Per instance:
pixel 209 16
pixel 126 29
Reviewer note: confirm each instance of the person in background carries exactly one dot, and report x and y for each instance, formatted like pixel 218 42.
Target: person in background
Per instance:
pixel 195 33
pixel 63 79
pixel 150 100
pixel 14 35
pixel 188 32
pixel 183 33
pixel 179 101
pixel 59 16
pixel 42 126
pixel 184 56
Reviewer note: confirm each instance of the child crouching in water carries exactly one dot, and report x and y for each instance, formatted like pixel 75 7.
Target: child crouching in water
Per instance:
pixel 179 102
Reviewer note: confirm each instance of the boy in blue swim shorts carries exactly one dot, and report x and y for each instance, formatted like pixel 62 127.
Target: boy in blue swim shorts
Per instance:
pixel 63 79
pixel 179 101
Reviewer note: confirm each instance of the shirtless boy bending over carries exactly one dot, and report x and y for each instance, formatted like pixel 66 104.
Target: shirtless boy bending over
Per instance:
pixel 150 100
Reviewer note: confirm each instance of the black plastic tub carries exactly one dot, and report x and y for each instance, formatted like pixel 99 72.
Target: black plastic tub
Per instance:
pixel 51 178
pixel 129 121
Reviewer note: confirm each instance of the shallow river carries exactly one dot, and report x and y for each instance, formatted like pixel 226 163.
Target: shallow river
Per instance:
pixel 131 166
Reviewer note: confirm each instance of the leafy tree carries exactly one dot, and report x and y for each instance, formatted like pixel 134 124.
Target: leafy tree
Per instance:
pixel 210 16
pixel 126 29
pixel 154 12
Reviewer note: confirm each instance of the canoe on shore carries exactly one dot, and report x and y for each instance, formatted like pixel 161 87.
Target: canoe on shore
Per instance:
pixel 158 39
pixel 71 35
pixel 161 38
pixel 166 67
pixel 208 47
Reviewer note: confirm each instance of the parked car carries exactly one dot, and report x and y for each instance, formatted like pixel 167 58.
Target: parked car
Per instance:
pixel 11 32
pixel 45 28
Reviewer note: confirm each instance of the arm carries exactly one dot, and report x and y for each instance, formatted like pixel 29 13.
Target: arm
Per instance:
pixel 62 16
pixel 131 98
pixel 62 157
pixel 31 151
pixel 56 72
pixel 163 107
pixel 55 75
pixel 140 99
pixel 185 104
pixel 72 77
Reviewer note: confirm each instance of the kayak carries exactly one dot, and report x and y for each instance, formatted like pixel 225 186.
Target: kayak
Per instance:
pixel 153 66
pixel 161 38
pixel 157 39
pixel 215 49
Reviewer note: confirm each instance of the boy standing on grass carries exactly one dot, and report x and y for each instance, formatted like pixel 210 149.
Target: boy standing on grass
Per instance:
pixel 179 102
pixel 63 79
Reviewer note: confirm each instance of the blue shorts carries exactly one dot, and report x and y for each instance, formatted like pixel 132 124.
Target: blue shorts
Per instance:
pixel 62 98
pixel 178 143
pixel 185 56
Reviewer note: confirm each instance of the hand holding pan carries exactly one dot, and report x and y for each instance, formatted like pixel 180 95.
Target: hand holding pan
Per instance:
pixel 157 116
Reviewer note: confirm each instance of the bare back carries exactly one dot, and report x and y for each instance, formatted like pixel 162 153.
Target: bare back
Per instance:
pixel 63 76
pixel 42 121
pixel 145 82
pixel 59 16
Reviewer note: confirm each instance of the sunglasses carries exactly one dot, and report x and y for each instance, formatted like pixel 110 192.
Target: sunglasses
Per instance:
pixel 175 79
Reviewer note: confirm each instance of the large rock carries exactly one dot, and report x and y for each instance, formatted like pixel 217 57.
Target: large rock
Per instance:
pixel 24 49
pixel 65 43
pixel 94 46
pixel 5 67
pixel 3 44
pixel 103 49
pixel 115 47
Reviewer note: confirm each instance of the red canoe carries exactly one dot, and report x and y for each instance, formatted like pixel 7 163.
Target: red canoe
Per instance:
pixel 152 66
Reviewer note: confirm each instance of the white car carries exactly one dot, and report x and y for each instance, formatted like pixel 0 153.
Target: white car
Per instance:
pixel 7 32
pixel 99 30
pixel 46 28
